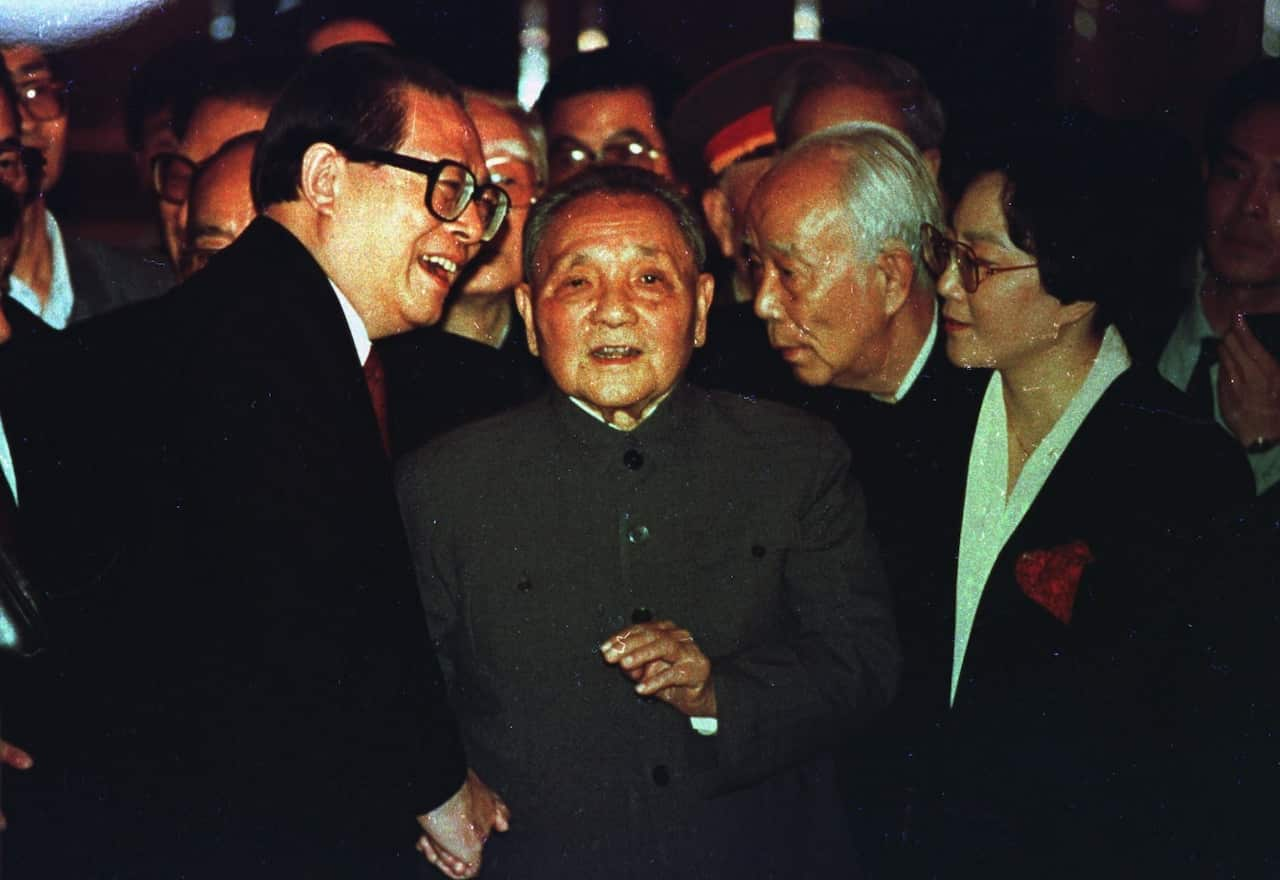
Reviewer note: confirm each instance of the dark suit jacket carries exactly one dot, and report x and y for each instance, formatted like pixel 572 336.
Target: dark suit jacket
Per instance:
pixel 438 381
pixel 23 325
pixel 247 687
pixel 1061 754
pixel 104 279
pixel 541 532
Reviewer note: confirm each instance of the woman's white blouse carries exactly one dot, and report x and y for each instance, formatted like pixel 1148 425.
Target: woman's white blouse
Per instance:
pixel 991 513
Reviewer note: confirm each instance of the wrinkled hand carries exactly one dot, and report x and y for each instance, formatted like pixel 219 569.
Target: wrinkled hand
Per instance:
pixel 665 662
pixel 12 756
pixel 455 832
pixel 1248 386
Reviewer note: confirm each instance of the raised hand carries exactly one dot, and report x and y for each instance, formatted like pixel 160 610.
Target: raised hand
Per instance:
pixel 1248 386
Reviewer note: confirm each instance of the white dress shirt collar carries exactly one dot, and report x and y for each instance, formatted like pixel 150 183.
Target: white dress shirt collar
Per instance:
pixel 359 335
pixel 56 310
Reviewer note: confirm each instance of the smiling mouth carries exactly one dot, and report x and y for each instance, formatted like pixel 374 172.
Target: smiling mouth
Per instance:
pixel 615 353
pixel 442 267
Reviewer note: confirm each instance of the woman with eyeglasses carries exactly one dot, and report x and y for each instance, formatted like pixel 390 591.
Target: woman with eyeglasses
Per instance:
pixel 1054 755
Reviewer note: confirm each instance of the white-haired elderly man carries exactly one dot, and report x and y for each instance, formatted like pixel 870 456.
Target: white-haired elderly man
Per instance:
pixel 834 236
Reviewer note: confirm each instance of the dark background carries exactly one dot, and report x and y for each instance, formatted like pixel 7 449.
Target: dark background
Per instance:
pixel 989 60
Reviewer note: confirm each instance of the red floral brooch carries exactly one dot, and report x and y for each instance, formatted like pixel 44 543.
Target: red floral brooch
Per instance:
pixel 1051 577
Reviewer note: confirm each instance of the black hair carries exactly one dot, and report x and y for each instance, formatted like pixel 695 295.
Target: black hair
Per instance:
pixel 10 91
pixel 349 96
pixel 614 180
pixel 161 82
pixel 1108 208
pixel 10 204
pixel 612 69
pixel 242 72
pixel 1256 84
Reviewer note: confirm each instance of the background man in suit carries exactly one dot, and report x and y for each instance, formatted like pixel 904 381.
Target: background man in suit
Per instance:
pixel 480 339
pixel 60 277
pixel 627 506
pixel 1225 350
pixel 247 688
pixel 17 322
pixel 608 106
pixel 233 93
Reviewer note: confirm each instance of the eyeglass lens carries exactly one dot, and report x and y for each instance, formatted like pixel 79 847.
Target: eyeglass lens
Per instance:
pixel 171 177
pixel 45 100
pixel 451 191
pixel 516 176
pixel 629 150
pixel 11 167
pixel 938 253
pixel 454 188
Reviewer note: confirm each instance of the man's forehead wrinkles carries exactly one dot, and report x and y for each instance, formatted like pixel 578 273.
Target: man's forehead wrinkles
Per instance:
pixel 607 253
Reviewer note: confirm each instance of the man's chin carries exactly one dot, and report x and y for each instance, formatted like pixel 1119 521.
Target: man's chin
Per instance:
pixel 1245 267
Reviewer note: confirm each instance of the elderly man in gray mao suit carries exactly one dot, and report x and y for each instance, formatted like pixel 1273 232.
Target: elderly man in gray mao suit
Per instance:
pixel 657 607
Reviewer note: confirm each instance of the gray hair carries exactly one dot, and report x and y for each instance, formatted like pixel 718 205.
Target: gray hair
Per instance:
pixel 885 182
pixel 613 180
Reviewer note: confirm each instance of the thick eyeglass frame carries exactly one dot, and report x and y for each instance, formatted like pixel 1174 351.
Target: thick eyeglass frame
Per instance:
pixel 432 170
pixel 26 161
pixel 973 270
pixel 160 181
pixel 30 93
pixel 572 153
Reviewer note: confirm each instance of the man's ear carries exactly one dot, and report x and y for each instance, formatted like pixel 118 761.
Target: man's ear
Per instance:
pixel 524 305
pixel 704 293
pixel 715 207
pixel 1074 312
pixel 896 271
pixel 323 170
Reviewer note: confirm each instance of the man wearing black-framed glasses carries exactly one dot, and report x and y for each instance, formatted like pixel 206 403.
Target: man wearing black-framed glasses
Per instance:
pixel 607 107
pixel 237 468
pixel 61 277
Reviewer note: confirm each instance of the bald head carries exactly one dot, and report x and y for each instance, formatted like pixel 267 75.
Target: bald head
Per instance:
pixel 346 30
pixel 220 205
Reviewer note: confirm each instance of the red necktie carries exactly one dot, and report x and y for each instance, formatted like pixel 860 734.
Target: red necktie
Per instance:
pixel 376 379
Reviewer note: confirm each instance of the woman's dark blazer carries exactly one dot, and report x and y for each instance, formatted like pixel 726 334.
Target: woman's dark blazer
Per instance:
pixel 1061 744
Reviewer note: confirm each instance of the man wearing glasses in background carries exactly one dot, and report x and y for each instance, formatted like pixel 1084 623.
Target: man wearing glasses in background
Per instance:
pixel 246 687
pixel 60 277
pixel 479 340
pixel 232 93
pixel 607 106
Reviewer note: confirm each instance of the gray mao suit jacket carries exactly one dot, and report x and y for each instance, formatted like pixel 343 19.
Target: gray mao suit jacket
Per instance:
pixel 541 532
